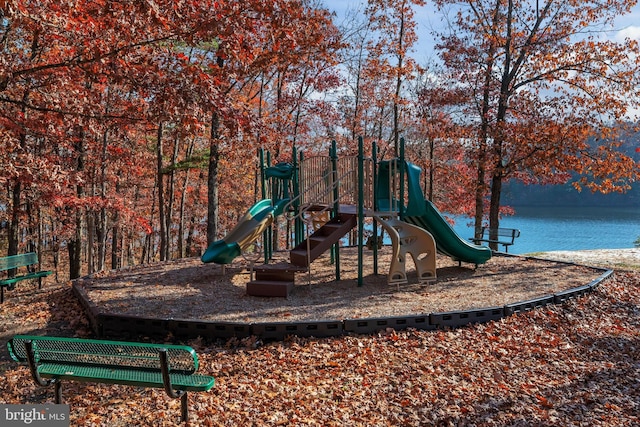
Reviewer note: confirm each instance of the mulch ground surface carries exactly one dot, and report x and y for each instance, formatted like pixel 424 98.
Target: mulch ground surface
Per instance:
pixel 189 289
pixel 577 364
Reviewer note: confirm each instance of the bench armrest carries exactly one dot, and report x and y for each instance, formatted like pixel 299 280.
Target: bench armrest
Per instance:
pixel 33 365
pixel 166 378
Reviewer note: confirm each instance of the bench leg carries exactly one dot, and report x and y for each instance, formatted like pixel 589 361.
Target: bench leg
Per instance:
pixel 184 408
pixel 1 294
pixel 57 386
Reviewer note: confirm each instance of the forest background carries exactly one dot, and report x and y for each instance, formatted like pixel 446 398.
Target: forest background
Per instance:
pixel 129 130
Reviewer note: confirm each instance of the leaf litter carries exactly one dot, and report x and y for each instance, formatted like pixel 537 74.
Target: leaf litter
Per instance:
pixel 574 364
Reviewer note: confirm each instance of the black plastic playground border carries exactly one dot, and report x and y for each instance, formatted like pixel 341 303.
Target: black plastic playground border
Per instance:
pixel 107 325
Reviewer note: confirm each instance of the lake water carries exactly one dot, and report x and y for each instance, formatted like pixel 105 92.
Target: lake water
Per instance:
pixel 565 228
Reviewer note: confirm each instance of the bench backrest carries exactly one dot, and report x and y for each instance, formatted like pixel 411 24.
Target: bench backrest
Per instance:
pixel 502 232
pixel 120 354
pixel 15 261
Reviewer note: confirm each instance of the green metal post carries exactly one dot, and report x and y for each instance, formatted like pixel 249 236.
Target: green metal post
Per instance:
pixel 335 212
pixel 401 208
pixel 295 192
pixel 263 188
pixel 268 236
pixel 299 224
pixel 374 172
pixel 360 210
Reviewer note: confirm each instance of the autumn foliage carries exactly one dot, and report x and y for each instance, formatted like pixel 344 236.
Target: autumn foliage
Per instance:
pixel 129 130
pixel 545 92
pixel 113 112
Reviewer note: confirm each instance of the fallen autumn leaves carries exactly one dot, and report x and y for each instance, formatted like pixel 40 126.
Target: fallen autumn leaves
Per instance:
pixel 573 364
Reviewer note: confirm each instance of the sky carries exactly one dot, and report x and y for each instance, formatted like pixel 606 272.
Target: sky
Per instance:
pixel 428 19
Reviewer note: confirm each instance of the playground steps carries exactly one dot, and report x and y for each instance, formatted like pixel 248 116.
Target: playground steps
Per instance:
pixel 273 280
pixel 322 239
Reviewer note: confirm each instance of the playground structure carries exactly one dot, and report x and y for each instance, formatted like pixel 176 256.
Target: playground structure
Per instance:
pixel 335 197
pixel 323 198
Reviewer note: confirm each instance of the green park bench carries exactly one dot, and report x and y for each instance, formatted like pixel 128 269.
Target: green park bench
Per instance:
pixel 54 359
pixel 12 263
pixel 502 236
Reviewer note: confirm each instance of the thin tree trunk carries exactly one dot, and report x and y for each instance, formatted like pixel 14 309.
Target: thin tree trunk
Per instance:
pixel 396 97
pixel 432 172
pixel 161 207
pixel 212 180
pixel 115 248
pixel 91 229
pixel 183 202
pixel 494 208
pixel 483 138
pixel 103 226
pixel 503 102
pixel 189 250
pixel 75 244
pixel 14 222
pixel 171 197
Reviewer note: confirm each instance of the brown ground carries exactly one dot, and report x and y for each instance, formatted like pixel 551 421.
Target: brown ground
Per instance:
pixel 188 289
pixel 573 364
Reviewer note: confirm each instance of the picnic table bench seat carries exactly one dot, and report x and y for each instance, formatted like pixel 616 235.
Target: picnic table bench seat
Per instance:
pixel 13 263
pixel 502 236
pixel 53 360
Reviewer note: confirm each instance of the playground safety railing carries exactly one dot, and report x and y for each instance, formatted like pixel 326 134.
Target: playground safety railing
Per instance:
pixel 320 186
pixel 325 188
pixel 318 180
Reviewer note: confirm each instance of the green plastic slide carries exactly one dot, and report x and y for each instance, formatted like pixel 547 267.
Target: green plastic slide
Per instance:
pixel 424 214
pixel 246 232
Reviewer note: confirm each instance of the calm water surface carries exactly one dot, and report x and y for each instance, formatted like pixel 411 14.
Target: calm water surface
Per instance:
pixel 567 228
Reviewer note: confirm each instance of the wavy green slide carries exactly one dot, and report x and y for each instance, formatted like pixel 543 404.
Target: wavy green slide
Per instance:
pixel 248 230
pixel 423 213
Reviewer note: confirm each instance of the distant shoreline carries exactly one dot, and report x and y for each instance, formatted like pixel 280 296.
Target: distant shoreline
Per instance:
pixel 608 257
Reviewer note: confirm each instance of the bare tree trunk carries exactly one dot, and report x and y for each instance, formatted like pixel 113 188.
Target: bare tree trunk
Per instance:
pixel 91 241
pixel 16 211
pixel 494 207
pixel 212 180
pixel 103 220
pixel 75 244
pixel 171 197
pixel 161 207
pixel 183 202
pixel 189 249
pixel 432 168
pixel 148 246
pixel 396 97
pixel 14 221
pixel 115 245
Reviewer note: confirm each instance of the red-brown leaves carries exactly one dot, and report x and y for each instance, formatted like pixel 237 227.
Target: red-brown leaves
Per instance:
pixel 575 363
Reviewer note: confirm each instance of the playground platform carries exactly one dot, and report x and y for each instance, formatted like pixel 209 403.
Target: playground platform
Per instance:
pixel 186 299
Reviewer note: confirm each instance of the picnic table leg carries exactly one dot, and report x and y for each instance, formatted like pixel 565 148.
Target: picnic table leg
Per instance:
pixel 58 391
pixel 184 408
